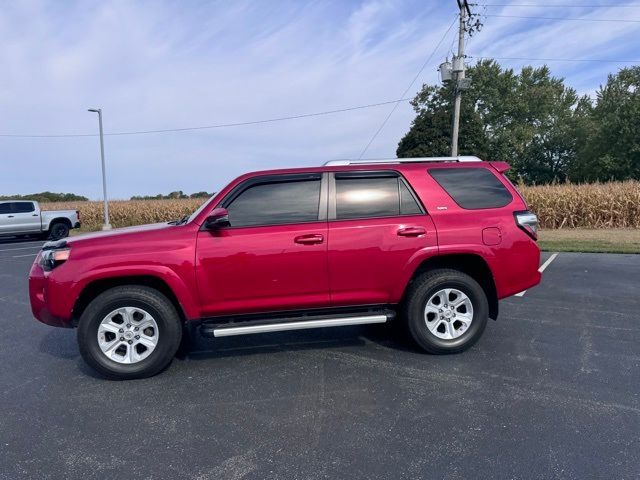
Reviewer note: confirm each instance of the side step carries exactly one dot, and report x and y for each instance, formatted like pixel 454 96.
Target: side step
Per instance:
pixel 283 324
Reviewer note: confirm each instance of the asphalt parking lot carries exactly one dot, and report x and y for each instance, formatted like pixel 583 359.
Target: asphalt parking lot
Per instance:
pixel 552 390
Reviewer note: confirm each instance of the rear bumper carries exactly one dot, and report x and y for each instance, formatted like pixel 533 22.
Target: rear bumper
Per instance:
pixel 517 269
pixel 40 299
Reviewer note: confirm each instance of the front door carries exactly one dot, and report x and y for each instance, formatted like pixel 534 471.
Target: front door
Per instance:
pixel 26 219
pixel 19 217
pixel 273 256
pixel 6 218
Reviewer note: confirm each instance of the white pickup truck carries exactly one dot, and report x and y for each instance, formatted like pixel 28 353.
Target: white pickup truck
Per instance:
pixel 24 217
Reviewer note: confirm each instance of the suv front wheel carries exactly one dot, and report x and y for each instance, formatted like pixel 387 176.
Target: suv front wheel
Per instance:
pixel 446 311
pixel 129 332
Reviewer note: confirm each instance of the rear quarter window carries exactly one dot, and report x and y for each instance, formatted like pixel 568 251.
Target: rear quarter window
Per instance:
pixel 472 188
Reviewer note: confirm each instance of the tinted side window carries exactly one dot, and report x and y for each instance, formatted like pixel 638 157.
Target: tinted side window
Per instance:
pixel 4 208
pixel 408 204
pixel 367 197
pixel 276 203
pixel 364 197
pixel 472 188
pixel 23 207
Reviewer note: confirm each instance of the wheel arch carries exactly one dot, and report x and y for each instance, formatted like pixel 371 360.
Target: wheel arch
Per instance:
pixel 58 220
pixel 98 286
pixel 473 265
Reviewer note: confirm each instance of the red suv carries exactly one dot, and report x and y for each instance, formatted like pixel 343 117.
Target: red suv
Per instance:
pixel 434 241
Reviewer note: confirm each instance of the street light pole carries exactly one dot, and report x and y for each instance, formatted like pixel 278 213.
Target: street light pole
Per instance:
pixel 106 225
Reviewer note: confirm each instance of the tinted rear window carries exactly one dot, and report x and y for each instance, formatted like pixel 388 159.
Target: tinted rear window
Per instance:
pixel 472 188
pixel 379 195
pixel 367 197
pixel 23 207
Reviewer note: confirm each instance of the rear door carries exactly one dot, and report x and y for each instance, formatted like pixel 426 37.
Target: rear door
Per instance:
pixel 273 256
pixel 376 224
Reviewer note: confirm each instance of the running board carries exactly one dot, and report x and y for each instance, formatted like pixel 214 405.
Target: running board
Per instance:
pixel 281 326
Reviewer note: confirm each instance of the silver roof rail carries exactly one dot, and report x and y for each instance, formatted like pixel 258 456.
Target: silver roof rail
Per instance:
pixel 378 161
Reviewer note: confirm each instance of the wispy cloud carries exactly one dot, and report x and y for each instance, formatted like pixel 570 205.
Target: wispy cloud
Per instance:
pixel 172 64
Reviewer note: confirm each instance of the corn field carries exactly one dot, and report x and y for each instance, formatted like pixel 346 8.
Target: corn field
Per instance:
pixel 598 205
pixel 124 213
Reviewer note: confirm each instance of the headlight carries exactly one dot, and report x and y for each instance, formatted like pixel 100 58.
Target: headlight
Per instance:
pixel 50 259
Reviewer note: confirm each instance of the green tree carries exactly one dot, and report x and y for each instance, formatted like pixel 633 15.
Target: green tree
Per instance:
pixel 178 194
pixel 200 195
pixel 45 197
pixel 609 142
pixel 524 118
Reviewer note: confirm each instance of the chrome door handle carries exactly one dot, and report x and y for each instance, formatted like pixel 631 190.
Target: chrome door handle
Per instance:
pixel 312 239
pixel 9 216
pixel 411 231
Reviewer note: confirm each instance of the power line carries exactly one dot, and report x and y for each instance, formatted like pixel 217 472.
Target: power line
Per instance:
pixel 617 20
pixel 206 127
pixel 490 57
pixel 364 150
pixel 630 5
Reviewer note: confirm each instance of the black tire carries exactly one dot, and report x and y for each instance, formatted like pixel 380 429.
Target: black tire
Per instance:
pixel 58 230
pixel 148 299
pixel 419 293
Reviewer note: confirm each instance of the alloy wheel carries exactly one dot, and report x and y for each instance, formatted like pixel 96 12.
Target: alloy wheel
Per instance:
pixel 448 313
pixel 128 335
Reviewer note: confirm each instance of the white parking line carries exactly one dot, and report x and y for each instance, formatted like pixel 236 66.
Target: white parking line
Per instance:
pixel 8 241
pixel 20 248
pixel 27 255
pixel 541 269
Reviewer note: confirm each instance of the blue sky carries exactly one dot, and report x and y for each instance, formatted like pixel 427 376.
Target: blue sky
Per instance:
pixel 156 65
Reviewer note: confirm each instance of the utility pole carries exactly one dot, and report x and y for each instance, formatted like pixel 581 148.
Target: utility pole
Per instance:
pixel 458 75
pixel 106 225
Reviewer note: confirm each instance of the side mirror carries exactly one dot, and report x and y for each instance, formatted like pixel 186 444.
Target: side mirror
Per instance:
pixel 219 218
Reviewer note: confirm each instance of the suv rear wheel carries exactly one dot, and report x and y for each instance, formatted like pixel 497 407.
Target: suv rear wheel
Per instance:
pixel 129 332
pixel 446 311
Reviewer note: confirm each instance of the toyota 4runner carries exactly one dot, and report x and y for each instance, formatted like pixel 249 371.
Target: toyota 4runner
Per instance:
pixel 435 242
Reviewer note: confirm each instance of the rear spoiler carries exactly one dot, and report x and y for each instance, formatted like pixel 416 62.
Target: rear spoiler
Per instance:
pixel 501 167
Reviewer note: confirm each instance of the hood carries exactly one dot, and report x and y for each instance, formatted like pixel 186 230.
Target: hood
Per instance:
pixel 116 232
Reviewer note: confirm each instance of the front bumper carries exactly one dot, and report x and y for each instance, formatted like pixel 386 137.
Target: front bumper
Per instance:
pixel 40 297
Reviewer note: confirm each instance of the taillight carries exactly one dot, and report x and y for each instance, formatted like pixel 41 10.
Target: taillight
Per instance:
pixel 78 214
pixel 528 222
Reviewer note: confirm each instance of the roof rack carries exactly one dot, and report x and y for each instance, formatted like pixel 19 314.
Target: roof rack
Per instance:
pixel 375 161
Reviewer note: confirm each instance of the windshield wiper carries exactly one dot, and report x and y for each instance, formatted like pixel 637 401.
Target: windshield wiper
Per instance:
pixel 182 221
